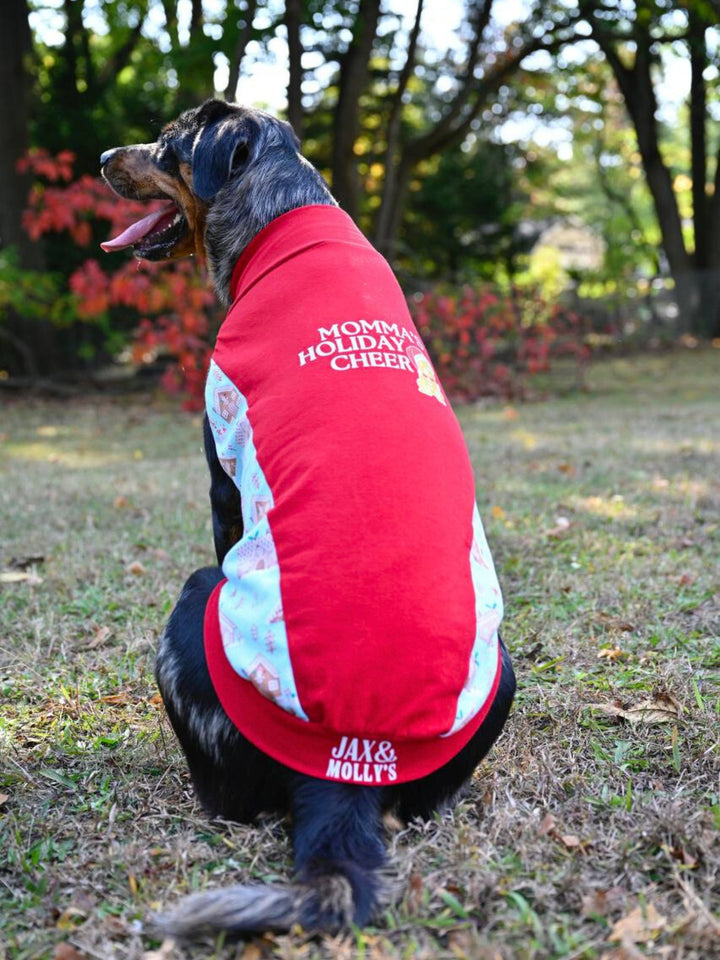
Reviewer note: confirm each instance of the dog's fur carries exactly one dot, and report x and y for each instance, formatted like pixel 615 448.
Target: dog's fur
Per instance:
pixel 231 171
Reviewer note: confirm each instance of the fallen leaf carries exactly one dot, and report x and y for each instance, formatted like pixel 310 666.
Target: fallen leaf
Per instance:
pixel 663 709
pixel 251 952
pixel 562 525
pixel 70 918
pixel 102 634
pixel 115 926
pixel 639 926
pixel 20 576
pixel 570 840
pixel 681 854
pixel 116 699
pixel 626 951
pixel 568 469
pixel 573 842
pixel 66 951
pixel 120 502
pixel 497 512
pixel 161 554
pixel 415 892
pixel 392 823
pixel 4 797
pixel 614 623
pixel 510 413
pixel 135 568
pixel 547 825
pixel 600 903
pixel 611 653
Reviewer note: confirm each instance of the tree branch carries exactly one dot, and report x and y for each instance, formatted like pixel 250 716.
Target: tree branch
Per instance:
pixel 354 71
pixel 196 19
pixel 393 133
pixel 424 145
pixel 121 57
pixel 244 36
pixel 171 23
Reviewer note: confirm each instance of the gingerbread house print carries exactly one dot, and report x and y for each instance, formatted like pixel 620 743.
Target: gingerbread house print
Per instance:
pixel 256 554
pixel 229 465
pixel 260 506
pixel 264 677
pixel 227 631
pixel 227 403
pixel 242 432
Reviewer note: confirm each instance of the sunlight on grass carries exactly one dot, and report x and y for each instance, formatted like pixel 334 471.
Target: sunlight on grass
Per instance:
pixel 613 507
pixel 525 439
pixel 78 458
pixel 52 431
pixel 704 446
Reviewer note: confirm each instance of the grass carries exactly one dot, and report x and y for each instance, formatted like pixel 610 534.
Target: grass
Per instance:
pixel 585 835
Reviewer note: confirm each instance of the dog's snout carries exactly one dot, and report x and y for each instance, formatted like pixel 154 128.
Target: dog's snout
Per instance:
pixel 107 156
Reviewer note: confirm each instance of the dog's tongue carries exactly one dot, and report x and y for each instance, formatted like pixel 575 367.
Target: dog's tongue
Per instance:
pixel 139 230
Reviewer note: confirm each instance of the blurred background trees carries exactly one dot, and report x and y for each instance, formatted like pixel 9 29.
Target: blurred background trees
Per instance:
pixel 568 149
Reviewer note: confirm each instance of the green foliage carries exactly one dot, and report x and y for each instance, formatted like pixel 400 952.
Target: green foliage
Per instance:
pixel 462 215
pixel 33 294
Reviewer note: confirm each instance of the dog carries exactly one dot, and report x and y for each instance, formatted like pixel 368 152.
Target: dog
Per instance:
pixel 343 659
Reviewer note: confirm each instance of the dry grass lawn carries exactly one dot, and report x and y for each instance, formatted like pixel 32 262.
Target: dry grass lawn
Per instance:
pixel 593 829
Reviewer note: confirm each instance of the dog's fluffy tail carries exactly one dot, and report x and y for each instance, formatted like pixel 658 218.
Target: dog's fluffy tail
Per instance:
pixel 339 856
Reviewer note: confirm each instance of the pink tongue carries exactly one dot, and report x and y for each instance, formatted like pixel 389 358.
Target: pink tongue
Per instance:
pixel 138 230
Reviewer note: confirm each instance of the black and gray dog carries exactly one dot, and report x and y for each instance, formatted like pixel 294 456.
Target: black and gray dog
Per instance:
pixel 228 172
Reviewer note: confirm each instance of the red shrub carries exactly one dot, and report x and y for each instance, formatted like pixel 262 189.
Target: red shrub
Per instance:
pixel 485 344
pixel 173 304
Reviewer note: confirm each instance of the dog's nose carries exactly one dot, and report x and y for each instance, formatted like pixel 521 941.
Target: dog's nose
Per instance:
pixel 107 156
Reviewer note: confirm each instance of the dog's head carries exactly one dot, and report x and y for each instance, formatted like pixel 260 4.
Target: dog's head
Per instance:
pixel 193 159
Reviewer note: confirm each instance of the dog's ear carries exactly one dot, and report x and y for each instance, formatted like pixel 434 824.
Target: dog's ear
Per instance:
pixel 221 152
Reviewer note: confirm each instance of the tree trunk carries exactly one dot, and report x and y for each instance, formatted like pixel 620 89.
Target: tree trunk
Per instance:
pixel 706 209
pixel 15 51
pixel 385 236
pixel 396 203
pixel 293 20
pixel 639 94
pixel 27 347
pixel 698 138
pixel 354 74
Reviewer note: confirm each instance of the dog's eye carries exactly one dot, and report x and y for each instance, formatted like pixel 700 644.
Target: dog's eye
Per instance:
pixel 167 161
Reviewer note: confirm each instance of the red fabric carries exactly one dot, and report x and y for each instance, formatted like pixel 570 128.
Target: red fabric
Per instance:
pixel 373 502
pixel 309 748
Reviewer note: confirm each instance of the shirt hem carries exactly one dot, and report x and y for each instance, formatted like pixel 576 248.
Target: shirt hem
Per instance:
pixel 345 757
